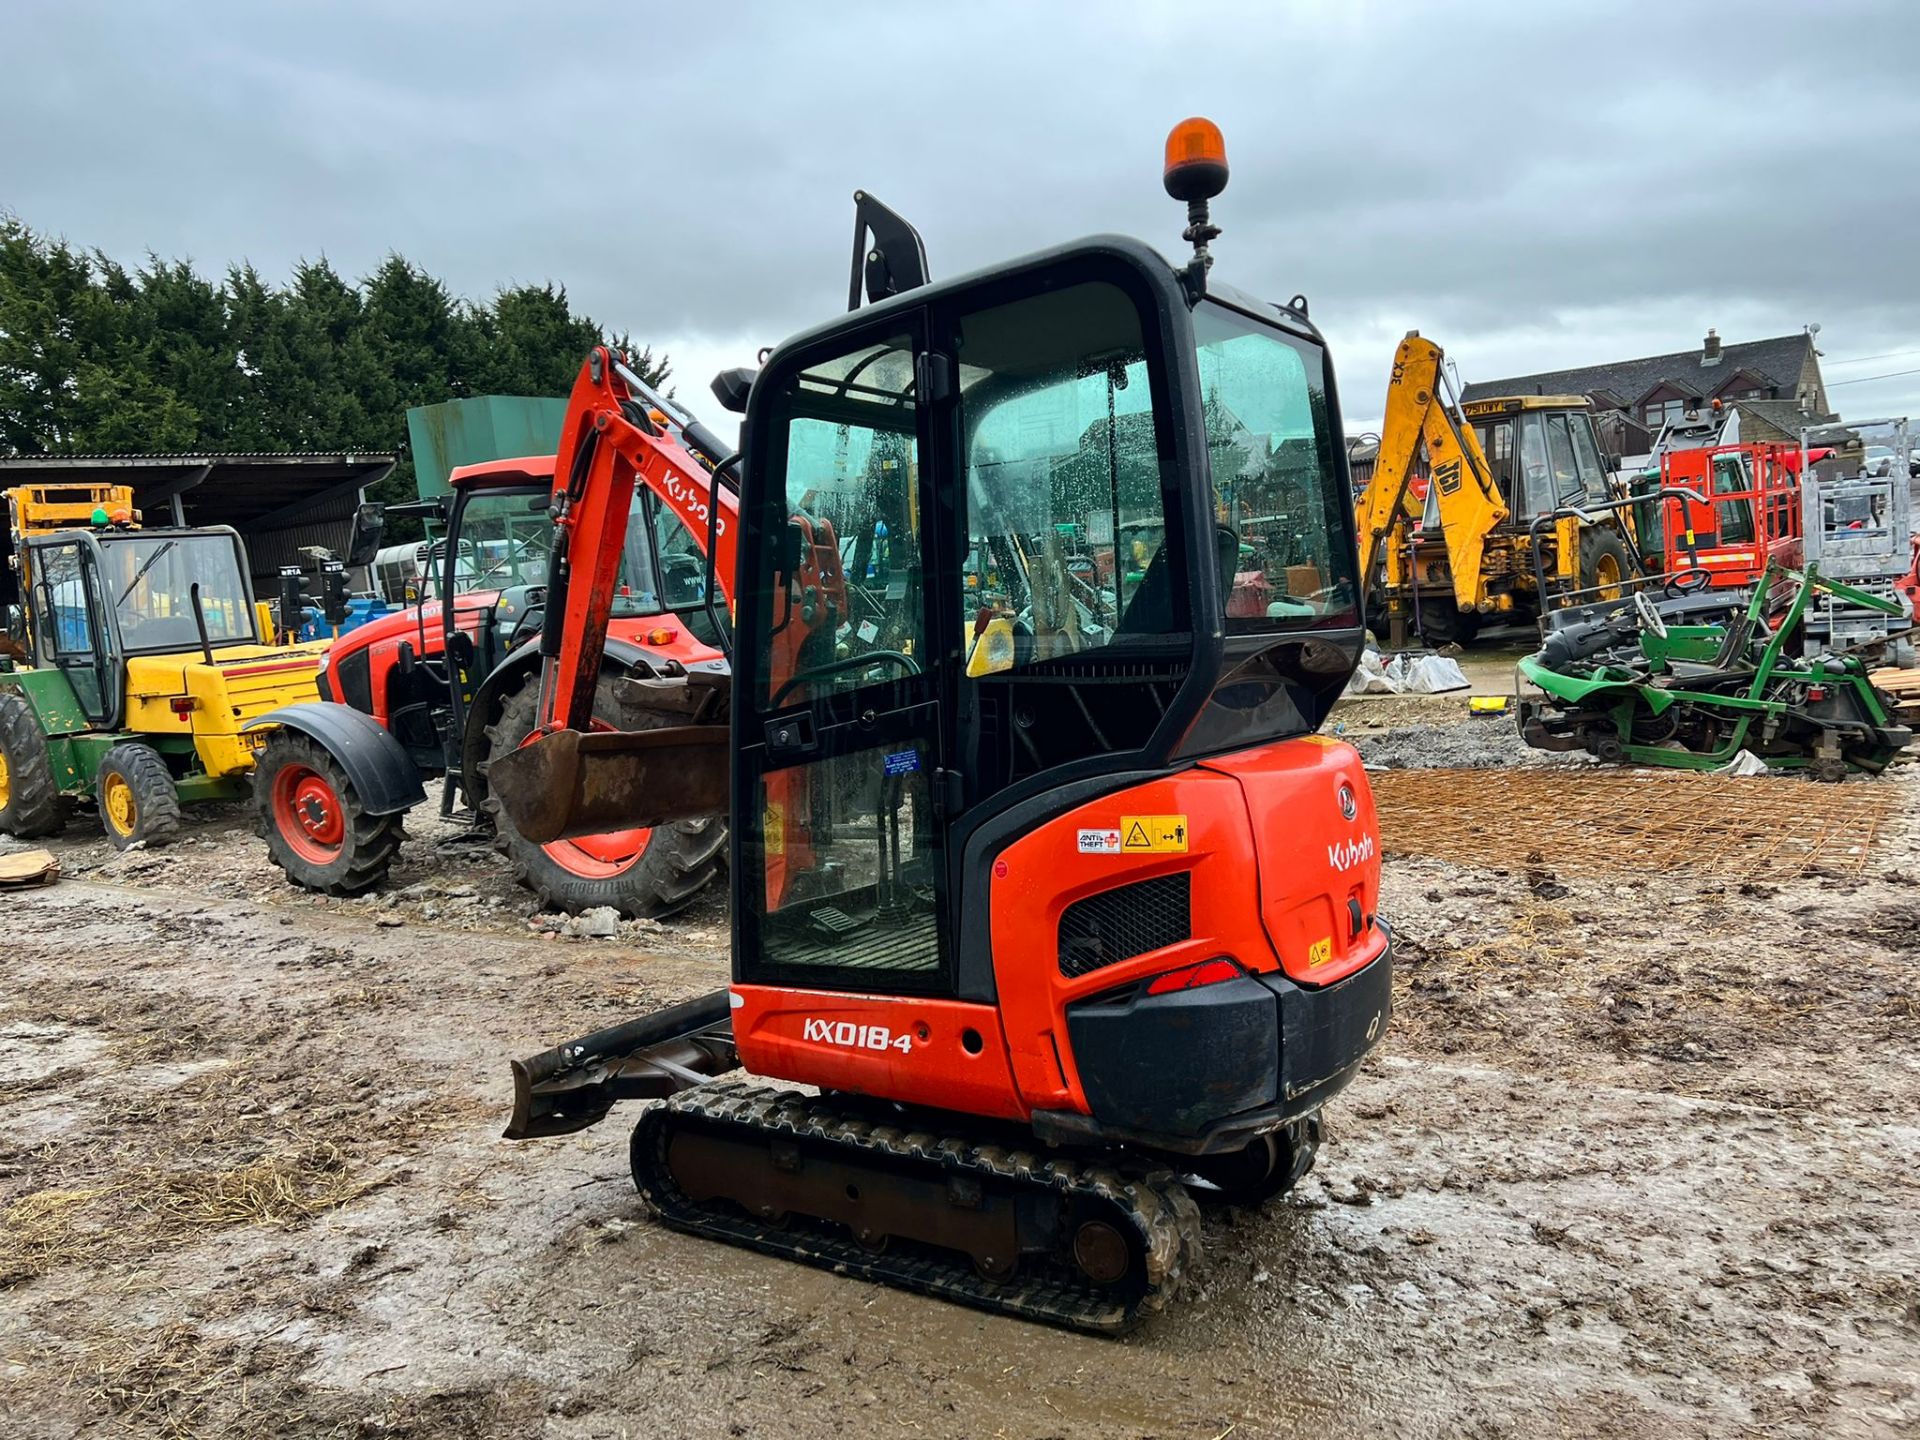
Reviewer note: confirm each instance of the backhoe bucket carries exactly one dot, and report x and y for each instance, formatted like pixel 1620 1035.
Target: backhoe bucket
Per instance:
pixel 572 783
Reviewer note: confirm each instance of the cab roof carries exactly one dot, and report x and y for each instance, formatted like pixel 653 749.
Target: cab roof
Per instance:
pixel 1511 404
pixel 502 474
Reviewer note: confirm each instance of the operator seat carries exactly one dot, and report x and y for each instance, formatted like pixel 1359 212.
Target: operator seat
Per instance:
pixel 1150 608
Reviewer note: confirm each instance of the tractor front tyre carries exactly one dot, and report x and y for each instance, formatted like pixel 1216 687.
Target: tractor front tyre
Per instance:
pixel 29 799
pixel 644 873
pixel 316 829
pixel 138 802
pixel 1603 564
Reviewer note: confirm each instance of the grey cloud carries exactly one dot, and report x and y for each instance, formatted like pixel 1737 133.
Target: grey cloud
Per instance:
pixel 1531 184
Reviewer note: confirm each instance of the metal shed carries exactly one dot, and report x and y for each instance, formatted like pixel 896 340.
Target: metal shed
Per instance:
pixel 278 502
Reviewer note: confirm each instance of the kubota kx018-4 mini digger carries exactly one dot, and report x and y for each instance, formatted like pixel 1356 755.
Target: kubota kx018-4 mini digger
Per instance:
pixel 1040 872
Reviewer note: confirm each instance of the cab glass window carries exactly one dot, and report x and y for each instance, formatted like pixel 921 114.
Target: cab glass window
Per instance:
pixel 1283 522
pixel 152 580
pixel 843 586
pixel 1496 443
pixel 1586 455
pixel 1734 483
pixel 1067 547
pixel 1566 485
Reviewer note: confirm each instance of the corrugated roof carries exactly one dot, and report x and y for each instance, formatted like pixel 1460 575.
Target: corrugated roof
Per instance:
pixel 1778 359
pixel 277 500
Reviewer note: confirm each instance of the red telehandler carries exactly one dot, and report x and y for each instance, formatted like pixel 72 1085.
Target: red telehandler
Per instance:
pixel 1042 876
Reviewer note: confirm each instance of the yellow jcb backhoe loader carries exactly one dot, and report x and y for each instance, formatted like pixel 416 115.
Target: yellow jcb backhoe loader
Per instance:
pixel 1447 521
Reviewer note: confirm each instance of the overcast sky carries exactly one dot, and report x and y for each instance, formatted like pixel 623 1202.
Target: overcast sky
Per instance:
pixel 1533 185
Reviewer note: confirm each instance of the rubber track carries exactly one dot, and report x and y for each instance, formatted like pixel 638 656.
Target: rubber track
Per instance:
pixel 1157 1207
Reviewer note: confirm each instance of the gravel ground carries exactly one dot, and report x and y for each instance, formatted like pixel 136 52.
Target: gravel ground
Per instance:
pixel 1639 1157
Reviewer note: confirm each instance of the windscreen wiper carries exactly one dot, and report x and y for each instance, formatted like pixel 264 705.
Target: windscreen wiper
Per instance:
pixel 141 573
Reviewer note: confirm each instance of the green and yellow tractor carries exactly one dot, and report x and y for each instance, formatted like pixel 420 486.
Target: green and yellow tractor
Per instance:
pixel 134 660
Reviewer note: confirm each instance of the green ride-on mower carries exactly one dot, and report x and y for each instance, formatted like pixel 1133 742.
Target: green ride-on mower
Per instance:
pixel 1640 682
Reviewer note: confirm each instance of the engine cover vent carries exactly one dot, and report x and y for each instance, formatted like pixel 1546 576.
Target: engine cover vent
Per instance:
pixel 1125 921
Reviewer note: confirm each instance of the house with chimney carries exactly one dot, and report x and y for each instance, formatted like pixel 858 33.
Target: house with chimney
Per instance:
pixel 1775 385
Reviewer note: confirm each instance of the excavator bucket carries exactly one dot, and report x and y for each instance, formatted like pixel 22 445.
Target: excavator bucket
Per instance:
pixel 571 783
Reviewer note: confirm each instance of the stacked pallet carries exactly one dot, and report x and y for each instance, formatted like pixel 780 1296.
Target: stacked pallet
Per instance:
pixel 1904 687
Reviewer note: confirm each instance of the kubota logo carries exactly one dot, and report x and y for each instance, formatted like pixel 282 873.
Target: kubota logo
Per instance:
pixel 855 1037
pixel 1349 853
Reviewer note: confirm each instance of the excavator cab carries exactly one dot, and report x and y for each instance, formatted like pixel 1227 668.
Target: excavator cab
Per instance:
pixel 1127 463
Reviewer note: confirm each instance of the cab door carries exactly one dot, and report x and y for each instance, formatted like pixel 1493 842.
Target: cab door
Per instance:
pixel 72 629
pixel 840 739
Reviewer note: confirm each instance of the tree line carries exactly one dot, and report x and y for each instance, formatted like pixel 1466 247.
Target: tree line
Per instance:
pixel 97 358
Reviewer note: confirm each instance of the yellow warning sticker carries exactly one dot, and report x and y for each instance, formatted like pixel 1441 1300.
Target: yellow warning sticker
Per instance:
pixel 1320 952
pixel 773 829
pixel 1153 834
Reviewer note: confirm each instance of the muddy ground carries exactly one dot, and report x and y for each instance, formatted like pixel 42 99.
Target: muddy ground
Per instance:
pixel 1641 1157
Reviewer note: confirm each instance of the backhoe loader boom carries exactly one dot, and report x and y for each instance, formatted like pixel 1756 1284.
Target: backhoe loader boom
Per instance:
pixel 1421 410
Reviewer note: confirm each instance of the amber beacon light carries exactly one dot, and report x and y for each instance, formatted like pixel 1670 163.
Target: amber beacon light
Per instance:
pixel 1196 160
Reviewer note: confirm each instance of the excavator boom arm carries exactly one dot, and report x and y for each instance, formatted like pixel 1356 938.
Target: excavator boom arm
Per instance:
pixel 610 442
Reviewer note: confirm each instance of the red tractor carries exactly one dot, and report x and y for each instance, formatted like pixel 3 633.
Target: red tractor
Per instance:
pixel 444 687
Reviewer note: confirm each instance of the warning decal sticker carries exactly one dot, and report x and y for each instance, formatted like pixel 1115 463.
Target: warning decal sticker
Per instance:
pixel 1153 834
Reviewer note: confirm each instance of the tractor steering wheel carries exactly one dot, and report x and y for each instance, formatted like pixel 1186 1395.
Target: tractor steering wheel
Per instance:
pixel 1690 581
pixel 851 662
pixel 1649 616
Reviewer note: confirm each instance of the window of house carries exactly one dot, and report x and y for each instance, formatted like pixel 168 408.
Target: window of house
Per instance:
pixel 1660 412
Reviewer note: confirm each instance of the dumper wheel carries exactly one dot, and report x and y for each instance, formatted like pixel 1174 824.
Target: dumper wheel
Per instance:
pixel 29 799
pixel 315 826
pixel 138 802
pixel 644 873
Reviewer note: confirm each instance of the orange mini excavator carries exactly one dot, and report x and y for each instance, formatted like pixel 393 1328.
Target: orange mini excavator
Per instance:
pixel 1042 879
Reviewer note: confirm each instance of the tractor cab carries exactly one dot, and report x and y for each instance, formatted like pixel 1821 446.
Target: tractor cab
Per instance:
pixel 146 657
pixel 112 604
pixel 1101 526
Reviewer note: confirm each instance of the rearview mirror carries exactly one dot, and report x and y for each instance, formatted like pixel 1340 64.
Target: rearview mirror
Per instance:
pixel 369 525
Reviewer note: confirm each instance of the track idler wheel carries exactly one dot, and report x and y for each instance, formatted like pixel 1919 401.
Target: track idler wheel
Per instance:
pixel 1101 1252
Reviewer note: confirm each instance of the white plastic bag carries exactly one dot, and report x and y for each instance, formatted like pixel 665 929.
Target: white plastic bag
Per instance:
pixel 1370 677
pixel 1433 674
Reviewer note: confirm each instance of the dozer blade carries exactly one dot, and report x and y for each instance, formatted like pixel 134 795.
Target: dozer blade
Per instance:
pixel 572 783
pixel 573 1085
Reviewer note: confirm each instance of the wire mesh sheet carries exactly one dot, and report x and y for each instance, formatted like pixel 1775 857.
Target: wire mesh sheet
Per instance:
pixel 1631 821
